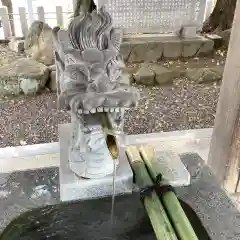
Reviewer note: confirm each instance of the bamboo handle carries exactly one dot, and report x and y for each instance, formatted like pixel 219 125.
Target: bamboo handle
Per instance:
pixel 177 215
pixel 157 215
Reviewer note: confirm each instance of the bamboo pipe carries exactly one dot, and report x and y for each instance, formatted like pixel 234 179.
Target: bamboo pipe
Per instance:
pixel 110 137
pixel 158 217
pixel 174 209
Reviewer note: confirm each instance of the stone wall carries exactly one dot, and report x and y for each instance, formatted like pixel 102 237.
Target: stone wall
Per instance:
pixel 153 48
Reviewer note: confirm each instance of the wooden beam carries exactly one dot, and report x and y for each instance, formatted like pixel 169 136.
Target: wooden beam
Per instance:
pixel 224 155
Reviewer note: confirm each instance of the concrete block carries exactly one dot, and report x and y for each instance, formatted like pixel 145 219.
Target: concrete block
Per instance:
pixel 74 188
pixel 191 47
pixel 162 74
pixel 188 31
pixel 172 49
pixel 16 45
pixel 144 75
pixel 146 51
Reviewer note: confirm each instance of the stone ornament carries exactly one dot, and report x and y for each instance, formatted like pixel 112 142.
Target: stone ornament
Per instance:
pixel 89 74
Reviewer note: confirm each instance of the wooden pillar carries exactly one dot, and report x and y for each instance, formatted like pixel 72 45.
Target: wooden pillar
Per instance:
pixel 224 155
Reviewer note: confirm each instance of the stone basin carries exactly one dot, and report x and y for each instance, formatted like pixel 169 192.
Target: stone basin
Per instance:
pixel 35 194
pixel 90 220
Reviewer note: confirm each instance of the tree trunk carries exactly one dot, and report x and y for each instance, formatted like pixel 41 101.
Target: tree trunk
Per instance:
pixel 84 6
pixel 8 4
pixel 221 17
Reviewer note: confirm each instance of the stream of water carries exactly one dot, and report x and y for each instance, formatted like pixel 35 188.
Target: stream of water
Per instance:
pixel 113 190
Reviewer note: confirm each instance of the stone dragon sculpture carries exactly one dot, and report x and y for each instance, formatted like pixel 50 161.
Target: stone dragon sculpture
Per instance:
pixel 89 73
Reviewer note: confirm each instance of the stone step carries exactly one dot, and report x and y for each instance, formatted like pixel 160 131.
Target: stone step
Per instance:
pixel 153 47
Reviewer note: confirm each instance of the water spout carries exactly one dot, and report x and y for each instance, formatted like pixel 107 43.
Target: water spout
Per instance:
pixel 110 136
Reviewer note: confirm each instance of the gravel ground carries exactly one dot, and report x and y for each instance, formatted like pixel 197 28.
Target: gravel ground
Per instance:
pixel 185 105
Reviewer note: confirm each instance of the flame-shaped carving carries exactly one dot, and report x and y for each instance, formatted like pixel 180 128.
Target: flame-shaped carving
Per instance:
pixel 89 65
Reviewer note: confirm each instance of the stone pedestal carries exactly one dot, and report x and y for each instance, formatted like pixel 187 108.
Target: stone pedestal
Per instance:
pixel 73 187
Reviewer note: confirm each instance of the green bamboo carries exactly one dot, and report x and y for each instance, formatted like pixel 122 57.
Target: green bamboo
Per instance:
pixel 157 215
pixel 110 137
pixel 177 215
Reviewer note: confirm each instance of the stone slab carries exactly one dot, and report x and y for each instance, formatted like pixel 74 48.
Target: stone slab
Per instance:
pixel 29 150
pixel 74 188
pixel 20 158
pixel 173 170
pixel 217 212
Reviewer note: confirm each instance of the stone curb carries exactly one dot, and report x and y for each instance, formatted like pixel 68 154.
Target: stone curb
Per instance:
pixel 136 49
pixel 153 74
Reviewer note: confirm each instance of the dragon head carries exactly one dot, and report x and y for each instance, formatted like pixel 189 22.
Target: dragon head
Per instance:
pixel 90 67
